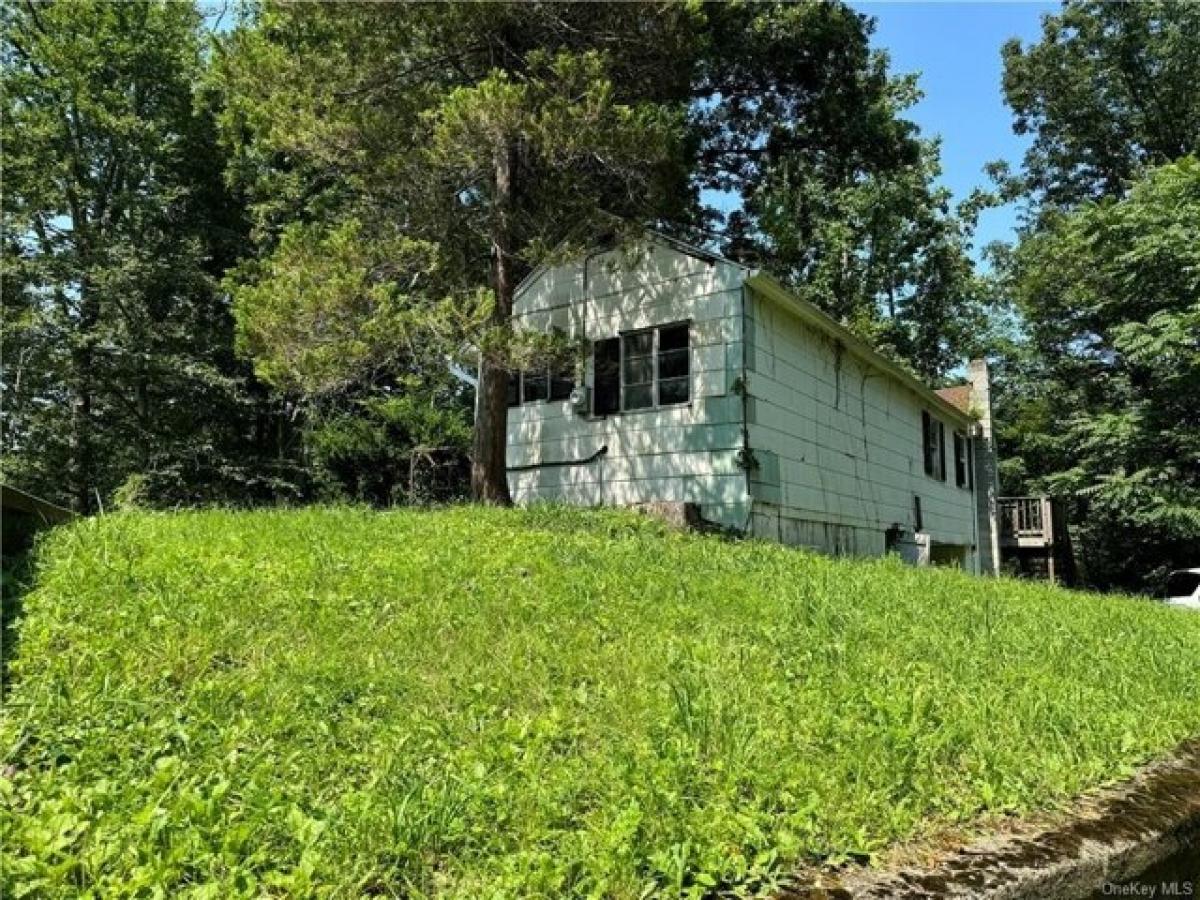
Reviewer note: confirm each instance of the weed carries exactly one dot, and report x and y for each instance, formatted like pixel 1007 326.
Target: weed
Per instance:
pixel 489 703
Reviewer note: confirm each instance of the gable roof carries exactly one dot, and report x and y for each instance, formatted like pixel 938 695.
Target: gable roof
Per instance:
pixel 649 235
pixel 769 287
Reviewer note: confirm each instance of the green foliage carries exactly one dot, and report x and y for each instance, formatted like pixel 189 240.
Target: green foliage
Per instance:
pixel 329 308
pixel 477 702
pixel 118 344
pixel 883 253
pixel 1097 394
pixel 403 136
pixel 1111 293
pixel 400 446
pixel 1109 90
pixel 838 191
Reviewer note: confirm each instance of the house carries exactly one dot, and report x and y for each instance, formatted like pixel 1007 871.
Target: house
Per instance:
pixel 706 386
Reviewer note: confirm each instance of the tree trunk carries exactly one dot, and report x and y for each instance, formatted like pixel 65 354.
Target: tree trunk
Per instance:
pixel 81 476
pixel 489 479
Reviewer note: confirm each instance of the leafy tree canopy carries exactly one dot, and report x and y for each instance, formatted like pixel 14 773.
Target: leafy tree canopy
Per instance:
pixel 1111 411
pixel 118 352
pixel 1098 389
pixel 494 134
pixel 1109 89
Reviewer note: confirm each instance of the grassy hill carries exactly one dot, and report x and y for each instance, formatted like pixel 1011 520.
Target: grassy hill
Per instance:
pixel 479 703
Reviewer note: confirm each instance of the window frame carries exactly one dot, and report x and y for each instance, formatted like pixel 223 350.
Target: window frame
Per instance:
pixel 934 457
pixel 549 373
pixel 964 478
pixel 655 380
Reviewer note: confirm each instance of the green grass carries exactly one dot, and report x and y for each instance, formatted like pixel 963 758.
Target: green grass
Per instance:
pixel 486 703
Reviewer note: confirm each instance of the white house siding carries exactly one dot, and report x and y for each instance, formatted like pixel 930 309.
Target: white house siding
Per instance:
pixel 674 454
pixel 839 445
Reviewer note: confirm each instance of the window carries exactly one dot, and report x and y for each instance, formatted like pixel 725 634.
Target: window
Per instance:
pixel 555 383
pixel 934 440
pixel 535 386
pixel 655 367
pixel 674 365
pixel 562 381
pixel 637 370
pixel 642 370
pixel 963 476
pixel 606 393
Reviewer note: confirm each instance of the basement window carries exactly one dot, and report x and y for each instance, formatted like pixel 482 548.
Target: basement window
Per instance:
pixel 933 434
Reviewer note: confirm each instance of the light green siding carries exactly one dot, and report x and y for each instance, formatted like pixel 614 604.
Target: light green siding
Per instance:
pixel 674 454
pixel 843 444
pixel 835 432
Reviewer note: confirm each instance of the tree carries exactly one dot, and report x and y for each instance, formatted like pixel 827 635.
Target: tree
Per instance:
pixel 490 135
pixel 117 225
pixel 1111 297
pixel 486 134
pixel 1110 89
pixel 1093 395
pixel 805 125
pixel 881 252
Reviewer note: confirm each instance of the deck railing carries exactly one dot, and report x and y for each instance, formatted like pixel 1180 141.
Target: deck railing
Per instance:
pixel 1025 518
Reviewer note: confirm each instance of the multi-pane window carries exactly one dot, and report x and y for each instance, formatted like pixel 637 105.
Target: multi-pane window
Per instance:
pixel 674 365
pixel 554 383
pixel 637 370
pixel 655 367
pixel 933 435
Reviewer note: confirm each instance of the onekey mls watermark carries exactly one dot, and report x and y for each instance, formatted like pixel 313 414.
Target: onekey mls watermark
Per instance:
pixel 1171 887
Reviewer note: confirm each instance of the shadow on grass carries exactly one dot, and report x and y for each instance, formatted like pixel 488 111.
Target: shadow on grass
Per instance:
pixel 16 578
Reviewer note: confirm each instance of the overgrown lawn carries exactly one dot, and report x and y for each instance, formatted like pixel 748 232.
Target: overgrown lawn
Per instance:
pixel 487 703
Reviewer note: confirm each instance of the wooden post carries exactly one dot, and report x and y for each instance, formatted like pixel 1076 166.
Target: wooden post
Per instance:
pixel 1049 537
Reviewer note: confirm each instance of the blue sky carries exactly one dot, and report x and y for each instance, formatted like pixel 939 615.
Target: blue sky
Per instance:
pixel 956 49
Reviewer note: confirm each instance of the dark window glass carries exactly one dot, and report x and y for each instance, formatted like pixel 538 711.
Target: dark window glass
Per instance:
pixel 562 382
pixel 639 396
pixel 674 365
pixel 639 369
pixel 606 359
pixel 960 460
pixel 674 337
pixel 927 441
pixel 934 439
pixel 941 451
pixel 536 386
pixel 637 381
pixel 673 390
pixel 640 343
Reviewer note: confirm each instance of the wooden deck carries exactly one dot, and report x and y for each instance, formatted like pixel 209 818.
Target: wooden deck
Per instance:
pixel 1034 540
